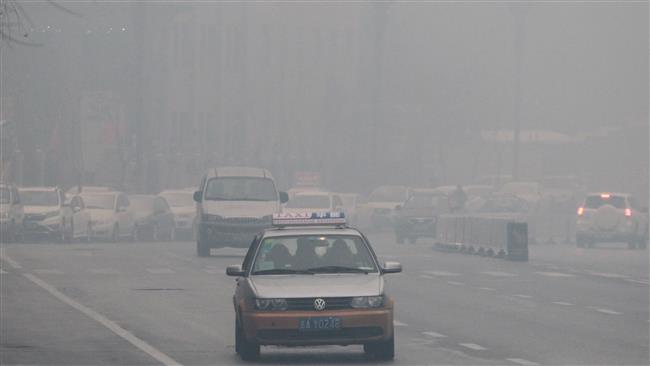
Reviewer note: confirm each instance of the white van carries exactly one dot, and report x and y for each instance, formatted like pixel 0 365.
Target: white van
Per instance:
pixel 233 205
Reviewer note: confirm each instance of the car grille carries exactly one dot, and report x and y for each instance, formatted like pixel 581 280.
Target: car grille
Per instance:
pixel 34 217
pixel 279 335
pixel 331 303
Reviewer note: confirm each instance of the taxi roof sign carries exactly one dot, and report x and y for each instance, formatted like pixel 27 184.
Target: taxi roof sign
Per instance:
pixel 309 219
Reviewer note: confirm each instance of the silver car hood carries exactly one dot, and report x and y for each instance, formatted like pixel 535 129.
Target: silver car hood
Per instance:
pixel 318 285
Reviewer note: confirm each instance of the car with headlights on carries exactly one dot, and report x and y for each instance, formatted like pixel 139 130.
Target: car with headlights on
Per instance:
pixel 110 215
pixel 47 215
pixel 311 280
pixel 184 209
pixel 153 218
pixel 11 213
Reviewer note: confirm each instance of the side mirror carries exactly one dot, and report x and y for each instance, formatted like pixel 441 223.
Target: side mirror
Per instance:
pixel 284 197
pixel 234 271
pixel 392 267
pixel 197 196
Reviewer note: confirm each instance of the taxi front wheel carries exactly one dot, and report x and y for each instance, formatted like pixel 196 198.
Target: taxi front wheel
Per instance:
pixel 384 350
pixel 248 351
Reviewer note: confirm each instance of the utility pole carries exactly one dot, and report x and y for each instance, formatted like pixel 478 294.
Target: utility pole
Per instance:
pixel 138 111
pixel 519 16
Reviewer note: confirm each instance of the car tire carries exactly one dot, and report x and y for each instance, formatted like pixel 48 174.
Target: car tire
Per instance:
pixel 202 250
pixel 382 351
pixel 248 351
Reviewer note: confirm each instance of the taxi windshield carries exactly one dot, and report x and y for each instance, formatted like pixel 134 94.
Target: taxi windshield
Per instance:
pixel 311 254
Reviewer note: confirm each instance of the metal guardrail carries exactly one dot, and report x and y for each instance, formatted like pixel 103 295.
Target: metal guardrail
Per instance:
pixel 490 235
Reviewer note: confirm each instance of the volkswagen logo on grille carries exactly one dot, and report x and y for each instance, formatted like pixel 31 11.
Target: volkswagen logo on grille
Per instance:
pixel 319 304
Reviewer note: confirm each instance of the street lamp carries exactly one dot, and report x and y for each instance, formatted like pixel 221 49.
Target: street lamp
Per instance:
pixel 518 12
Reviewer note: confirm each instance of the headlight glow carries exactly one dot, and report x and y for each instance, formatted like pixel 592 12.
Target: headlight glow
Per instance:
pixel 363 302
pixel 271 304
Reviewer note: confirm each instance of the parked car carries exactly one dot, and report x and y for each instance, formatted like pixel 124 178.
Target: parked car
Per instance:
pixel 79 189
pixel 417 217
pixel 46 213
pixel 379 212
pixel 611 217
pixel 307 202
pixel 351 202
pixel 234 204
pixel 184 209
pixel 110 215
pixel 154 219
pixel 11 213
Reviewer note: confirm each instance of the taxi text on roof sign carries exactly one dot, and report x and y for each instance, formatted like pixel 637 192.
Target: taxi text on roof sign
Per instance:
pixel 305 219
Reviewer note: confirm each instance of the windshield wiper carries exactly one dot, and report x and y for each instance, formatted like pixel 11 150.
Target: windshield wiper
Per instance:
pixel 338 269
pixel 282 271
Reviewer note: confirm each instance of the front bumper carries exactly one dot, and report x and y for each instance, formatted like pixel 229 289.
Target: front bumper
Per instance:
pixel 358 326
pixel 102 230
pixel 217 234
pixel 42 228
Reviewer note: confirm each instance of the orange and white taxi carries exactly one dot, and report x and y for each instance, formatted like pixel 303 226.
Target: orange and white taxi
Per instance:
pixel 311 280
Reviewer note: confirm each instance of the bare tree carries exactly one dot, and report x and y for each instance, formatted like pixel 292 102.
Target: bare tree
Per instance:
pixel 14 21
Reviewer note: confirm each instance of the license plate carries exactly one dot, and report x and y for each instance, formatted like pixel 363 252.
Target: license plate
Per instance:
pixel 319 323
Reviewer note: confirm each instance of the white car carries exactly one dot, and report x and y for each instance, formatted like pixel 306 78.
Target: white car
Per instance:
pixel 81 225
pixel 351 203
pixel 611 217
pixel 183 207
pixel 308 202
pixel 110 215
pixel 11 214
pixel 46 214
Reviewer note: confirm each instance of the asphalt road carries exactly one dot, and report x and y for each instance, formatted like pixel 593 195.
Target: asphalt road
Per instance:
pixel 152 303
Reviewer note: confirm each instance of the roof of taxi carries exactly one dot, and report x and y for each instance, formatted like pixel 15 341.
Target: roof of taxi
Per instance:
pixel 238 171
pixel 309 230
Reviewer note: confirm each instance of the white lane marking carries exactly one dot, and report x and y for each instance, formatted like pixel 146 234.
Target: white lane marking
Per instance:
pixel 160 271
pixel 48 271
pixel 523 296
pixel 562 303
pixel 644 282
pixel 398 323
pixel 104 271
pixel 12 263
pixel 605 311
pixel 111 325
pixel 608 275
pixel 434 335
pixel 473 346
pixel 555 274
pixel 521 361
pixel 487 289
pixel 426 276
pixel 454 283
pixel 499 274
pixel 441 273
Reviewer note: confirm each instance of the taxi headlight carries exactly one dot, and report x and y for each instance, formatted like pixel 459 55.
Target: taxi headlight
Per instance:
pixel 363 302
pixel 271 304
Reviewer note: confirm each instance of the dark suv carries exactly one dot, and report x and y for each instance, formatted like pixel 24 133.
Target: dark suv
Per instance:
pixel 417 217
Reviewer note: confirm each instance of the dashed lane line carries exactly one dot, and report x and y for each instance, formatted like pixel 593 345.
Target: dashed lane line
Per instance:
pixel 454 283
pixel 562 303
pixel 426 276
pixel 434 335
pixel 473 346
pixel 398 323
pixel 605 311
pixel 499 274
pixel 48 271
pixel 160 271
pixel 487 289
pixel 522 296
pixel 111 325
pixel 12 263
pixel 608 275
pixel 521 361
pixel 104 271
pixel 555 274
pixel 643 282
